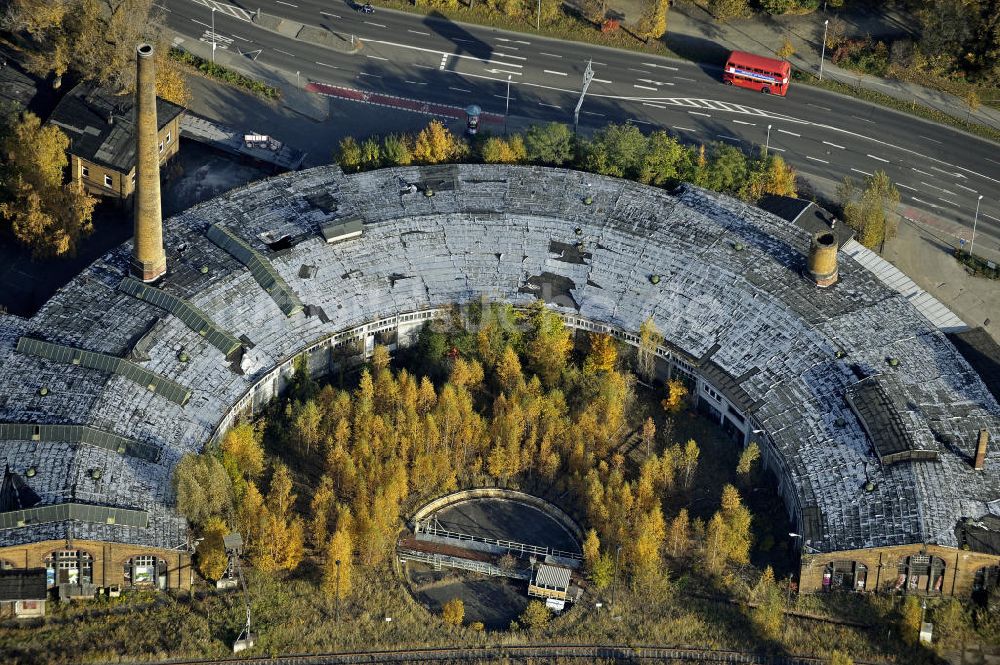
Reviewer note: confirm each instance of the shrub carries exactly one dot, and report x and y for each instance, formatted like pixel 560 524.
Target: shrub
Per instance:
pixel 212 70
pixel 453 612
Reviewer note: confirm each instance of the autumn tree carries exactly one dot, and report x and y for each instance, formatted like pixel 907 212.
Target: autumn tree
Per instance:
pixel 602 574
pixel 551 143
pixel 679 534
pixel 786 50
pixel 171 82
pixel 243 453
pixel 769 175
pixel 728 537
pixel 676 397
pixel 728 9
pixel 250 514
pixel 349 154
pixel 840 658
pixel 910 614
pixel 371 153
pixel 536 616
pixel 497 150
pixel 396 150
pixel 647 543
pixel 748 458
pixel 339 549
pixel 436 144
pixel 650 339
pixel 653 22
pixel 211 552
pixel 603 354
pixel 453 612
pixel 648 435
pixel 591 549
pixel 202 487
pixel 307 426
pixel 769 611
pixel 321 507
pixel 283 534
pixel 549 345
pixel 871 211
pixel 45 214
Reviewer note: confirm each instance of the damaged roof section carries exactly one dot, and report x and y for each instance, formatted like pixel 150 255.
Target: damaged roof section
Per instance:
pixel 883 423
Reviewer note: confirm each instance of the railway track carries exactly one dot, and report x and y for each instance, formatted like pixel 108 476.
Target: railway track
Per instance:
pixel 587 652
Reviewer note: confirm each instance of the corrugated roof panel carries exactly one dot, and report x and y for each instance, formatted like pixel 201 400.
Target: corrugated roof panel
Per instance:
pixel 259 267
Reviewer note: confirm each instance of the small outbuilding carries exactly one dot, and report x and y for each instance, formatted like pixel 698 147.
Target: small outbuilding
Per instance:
pixel 23 593
pixel 343 229
pixel 550 582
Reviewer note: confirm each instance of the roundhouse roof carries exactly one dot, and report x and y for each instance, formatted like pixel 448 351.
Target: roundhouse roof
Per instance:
pixel 730 299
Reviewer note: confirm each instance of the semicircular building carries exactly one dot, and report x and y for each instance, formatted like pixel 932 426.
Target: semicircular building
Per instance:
pixel 876 427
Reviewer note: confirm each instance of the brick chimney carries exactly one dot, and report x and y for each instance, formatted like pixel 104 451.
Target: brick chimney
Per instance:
pixel 984 439
pixel 822 263
pixel 149 262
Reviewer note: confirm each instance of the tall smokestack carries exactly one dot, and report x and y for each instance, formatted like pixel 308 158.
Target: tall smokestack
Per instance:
pixel 984 440
pixel 149 262
pixel 823 258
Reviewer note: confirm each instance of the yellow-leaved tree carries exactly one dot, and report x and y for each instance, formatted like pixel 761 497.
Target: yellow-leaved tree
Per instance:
pixel 436 144
pixel 337 576
pixel 212 559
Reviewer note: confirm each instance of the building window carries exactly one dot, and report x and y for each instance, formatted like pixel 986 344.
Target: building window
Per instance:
pixel 161 146
pixel 845 576
pixel 146 571
pixel 6 565
pixel 920 573
pixel 107 180
pixel 168 138
pixel 69 567
pixel 133 180
pixel 85 171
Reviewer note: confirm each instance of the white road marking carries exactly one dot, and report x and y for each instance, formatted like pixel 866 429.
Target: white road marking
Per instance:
pixel 194 20
pixel 551 55
pixel 241 38
pixel 602 64
pixel 942 189
pixel 161 7
pixel 686 129
pixel 949 202
pixel 641 122
pixel 927 203
pixel 422 66
pixel 601 115
pixel 596 80
pixel 833 144
pixel 825 108
pixel 444 59
pixel 502 71
pixel 707 115
pixel 684 78
pixel 777 148
pixel 288 4
pixel 508 55
pixel 549 71
pixel 927 138
pixel 968 189
pixel 414 82
pixel 377 25
pixel 732 138
pixel 957 175
pixel 860 171
pixel 417 32
pixel 922 172
pixel 992 160
pixel 816 159
pixel 293 55
pixel 323 64
pixel 512 48
pixel 785 131
pixel 458 89
pixel 864 119
pixel 374 76
pixel 655 82
pixel 551 106
pixel 373 57
pixel 330 15
pixel 651 64
pixel 899 184
pixel 740 122
pixel 643 87
pixel 466 41
pixel 878 158
pixel 641 71
pixel 655 106
pixel 990 216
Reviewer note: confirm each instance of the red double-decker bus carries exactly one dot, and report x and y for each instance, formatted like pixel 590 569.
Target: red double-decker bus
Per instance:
pixel 756 72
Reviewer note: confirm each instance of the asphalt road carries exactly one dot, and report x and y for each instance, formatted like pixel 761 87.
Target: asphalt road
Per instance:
pixel 940 172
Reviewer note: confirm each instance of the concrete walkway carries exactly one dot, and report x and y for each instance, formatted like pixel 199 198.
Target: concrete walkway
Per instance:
pixel 691 28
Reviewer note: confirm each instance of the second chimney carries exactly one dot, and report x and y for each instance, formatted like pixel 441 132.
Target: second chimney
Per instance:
pixel 822 263
pixel 984 440
pixel 149 262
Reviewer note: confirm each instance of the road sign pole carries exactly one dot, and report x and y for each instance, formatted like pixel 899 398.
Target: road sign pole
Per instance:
pixel 974 221
pixel 588 76
pixel 822 53
pixel 213 35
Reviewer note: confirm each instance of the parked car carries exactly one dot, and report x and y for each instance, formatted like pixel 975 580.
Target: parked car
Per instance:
pixel 366 9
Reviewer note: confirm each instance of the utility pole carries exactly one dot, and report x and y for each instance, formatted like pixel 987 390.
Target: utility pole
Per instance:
pixel 822 53
pixel 336 611
pixel 538 17
pixel 974 221
pixel 213 35
pixel 588 76
pixel 506 110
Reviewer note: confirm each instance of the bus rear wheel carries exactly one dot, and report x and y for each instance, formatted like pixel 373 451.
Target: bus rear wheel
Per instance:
pixel 766 90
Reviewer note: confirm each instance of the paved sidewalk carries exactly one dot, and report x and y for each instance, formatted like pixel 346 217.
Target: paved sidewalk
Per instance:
pixel 691 27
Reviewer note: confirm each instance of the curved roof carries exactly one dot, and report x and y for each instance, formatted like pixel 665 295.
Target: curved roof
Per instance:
pixel 730 298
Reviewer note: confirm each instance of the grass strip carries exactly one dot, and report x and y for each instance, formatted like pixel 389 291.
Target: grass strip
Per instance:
pixel 224 74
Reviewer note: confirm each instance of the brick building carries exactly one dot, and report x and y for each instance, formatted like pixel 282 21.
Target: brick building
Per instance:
pixel 101 129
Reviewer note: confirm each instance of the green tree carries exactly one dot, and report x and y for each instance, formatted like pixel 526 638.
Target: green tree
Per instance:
pixel 396 150
pixel 727 168
pixel 371 155
pixel 615 150
pixel 202 487
pixel 536 616
pixel 551 143
pixel 453 612
pixel 769 613
pixel 603 572
pixel 871 212
pixel 211 552
pixel 349 155
pixel 661 159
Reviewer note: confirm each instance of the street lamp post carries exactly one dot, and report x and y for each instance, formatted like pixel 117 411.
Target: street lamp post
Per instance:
pixel 767 143
pixel 538 16
pixel 614 589
pixel 336 611
pixel 506 109
pixel 975 220
pixel 822 53
pixel 213 35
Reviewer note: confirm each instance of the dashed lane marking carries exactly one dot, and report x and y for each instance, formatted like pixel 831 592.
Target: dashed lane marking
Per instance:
pixel 860 171
pixel 878 158
pixel 785 131
pixel 817 159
